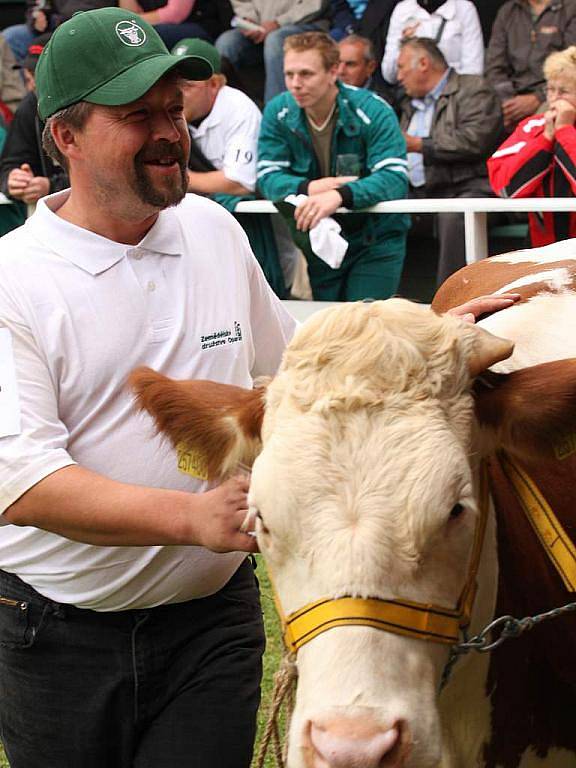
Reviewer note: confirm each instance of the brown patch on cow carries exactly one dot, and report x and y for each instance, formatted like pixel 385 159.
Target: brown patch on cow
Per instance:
pixel 203 415
pixel 532 679
pixel 528 423
pixel 488 276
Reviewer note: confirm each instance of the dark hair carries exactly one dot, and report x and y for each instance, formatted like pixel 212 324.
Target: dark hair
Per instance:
pixel 428 47
pixel 75 116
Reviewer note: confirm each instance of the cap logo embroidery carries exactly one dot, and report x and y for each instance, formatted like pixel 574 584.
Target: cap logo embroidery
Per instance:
pixel 130 33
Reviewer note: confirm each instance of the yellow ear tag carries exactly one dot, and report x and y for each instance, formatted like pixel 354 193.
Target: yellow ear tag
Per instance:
pixel 191 462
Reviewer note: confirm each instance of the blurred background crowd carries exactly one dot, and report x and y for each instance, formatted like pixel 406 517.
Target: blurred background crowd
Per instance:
pixel 484 94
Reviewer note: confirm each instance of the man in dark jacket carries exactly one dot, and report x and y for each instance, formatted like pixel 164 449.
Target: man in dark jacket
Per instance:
pixel 451 123
pixel 26 171
pixel 524 34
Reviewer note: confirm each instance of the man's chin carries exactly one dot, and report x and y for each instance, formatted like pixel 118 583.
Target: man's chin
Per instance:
pixel 162 192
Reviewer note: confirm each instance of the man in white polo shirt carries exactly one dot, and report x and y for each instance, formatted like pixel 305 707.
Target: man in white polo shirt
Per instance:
pixel 130 628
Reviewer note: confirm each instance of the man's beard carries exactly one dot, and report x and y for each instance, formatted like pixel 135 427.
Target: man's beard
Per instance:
pixel 155 195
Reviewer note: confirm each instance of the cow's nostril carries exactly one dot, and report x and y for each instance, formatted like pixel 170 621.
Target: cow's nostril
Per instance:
pixel 347 743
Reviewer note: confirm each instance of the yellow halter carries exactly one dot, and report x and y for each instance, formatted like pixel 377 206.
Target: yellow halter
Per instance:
pixel 402 617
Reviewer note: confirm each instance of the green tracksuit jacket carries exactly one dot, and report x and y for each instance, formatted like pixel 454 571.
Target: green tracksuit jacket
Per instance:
pixel 366 127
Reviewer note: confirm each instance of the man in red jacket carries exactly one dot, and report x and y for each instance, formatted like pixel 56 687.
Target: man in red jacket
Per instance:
pixel 539 158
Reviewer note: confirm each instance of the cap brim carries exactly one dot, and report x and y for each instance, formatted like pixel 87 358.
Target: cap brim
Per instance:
pixel 139 78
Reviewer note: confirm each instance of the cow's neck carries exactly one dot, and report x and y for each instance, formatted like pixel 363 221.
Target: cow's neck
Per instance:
pixel 531 679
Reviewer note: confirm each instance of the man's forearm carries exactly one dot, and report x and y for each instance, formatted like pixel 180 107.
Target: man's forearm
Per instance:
pixel 213 183
pixel 84 506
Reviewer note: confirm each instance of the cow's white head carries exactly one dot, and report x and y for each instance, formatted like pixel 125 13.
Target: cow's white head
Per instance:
pixel 366 485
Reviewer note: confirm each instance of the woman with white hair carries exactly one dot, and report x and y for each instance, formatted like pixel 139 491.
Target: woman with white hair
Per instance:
pixel 539 158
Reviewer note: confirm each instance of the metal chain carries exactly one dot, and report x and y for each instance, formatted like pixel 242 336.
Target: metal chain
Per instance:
pixel 509 627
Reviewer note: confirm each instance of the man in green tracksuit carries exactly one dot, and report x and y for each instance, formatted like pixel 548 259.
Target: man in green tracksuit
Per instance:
pixel 342 147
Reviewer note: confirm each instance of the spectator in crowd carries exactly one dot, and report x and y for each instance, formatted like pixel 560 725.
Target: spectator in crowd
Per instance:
pixel 539 158
pixel 451 123
pixel 224 125
pixel 44 16
pixel 357 62
pixel 453 25
pixel 12 89
pixel 130 578
pixel 524 34
pixel 487 11
pixel 175 20
pixel 339 146
pixel 270 23
pixel 26 172
pixel 371 29
pixel 11 93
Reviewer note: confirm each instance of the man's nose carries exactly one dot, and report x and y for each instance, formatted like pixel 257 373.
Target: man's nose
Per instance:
pixel 164 126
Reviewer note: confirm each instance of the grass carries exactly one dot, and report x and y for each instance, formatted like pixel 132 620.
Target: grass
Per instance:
pixel 271 658
pixel 274 650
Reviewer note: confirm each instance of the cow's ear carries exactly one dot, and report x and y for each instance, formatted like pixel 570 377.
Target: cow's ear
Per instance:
pixel 530 411
pixel 219 422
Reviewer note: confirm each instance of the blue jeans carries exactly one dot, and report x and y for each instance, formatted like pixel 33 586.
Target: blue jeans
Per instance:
pixel 18 38
pixel 163 687
pixel 241 51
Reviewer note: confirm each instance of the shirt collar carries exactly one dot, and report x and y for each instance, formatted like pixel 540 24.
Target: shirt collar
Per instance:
pixel 94 253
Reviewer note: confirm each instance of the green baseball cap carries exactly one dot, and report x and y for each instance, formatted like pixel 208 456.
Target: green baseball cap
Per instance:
pixel 106 56
pixel 195 46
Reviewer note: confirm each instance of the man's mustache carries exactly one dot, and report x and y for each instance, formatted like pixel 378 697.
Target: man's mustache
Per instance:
pixel 162 151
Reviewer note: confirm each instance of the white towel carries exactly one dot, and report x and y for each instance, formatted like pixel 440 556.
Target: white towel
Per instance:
pixel 325 239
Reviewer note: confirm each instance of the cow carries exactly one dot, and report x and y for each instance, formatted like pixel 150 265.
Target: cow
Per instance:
pixel 369 451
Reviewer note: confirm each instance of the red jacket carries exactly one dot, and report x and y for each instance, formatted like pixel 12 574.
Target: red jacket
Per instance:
pixel 528 164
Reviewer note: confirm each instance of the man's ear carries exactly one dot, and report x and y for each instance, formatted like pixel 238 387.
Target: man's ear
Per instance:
pixel 64 137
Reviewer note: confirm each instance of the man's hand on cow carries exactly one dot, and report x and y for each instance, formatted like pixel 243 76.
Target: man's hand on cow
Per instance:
pixel 315 208
pixel 471 310
pixel 219 520
pixel 328 182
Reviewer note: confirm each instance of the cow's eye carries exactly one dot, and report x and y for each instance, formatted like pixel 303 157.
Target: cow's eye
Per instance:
pixel 456 511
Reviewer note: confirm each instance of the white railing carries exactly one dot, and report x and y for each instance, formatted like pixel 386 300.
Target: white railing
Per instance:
pixel 473 208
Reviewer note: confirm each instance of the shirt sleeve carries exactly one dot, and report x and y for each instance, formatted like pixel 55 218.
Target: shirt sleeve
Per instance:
pixel 519 165
pixel 392 45
pixel 472 58
pixel 565 153
pixel 239 163
pixel 40 448
pixel 272 325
